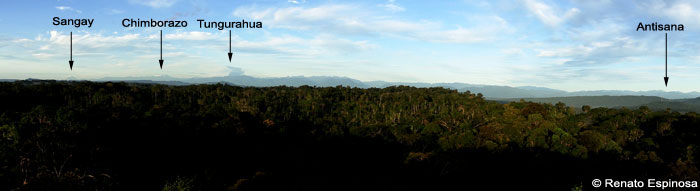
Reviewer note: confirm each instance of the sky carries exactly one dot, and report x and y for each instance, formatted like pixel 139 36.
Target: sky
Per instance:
pixel 569 45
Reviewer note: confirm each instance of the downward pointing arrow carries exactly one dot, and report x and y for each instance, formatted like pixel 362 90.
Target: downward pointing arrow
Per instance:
pixel 70 62
pixel 666 77
pixel 230 54
pixel 161 50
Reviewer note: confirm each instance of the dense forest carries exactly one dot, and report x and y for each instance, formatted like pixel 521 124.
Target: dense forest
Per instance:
pixel 652 102
pixel 120 136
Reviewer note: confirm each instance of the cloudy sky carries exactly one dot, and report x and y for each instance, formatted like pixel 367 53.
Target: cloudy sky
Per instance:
pixel 569 45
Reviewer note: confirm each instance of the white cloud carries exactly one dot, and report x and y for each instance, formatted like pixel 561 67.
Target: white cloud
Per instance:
pixel 686 12
pixel 44 55
pixel 154 3
pixel 296 2
pixel 601 51
pixel 55 43
pixel 89 40
pixel 358 20
pixel 578 50
pixel 392 6
pixel 340 44
pixel 194 35
pixel 66 8
pixel 459 35
pixel 292 46
pixel 21 40
pixel 558 44
pixel 547 14
pixel 63 8
pixel 114 11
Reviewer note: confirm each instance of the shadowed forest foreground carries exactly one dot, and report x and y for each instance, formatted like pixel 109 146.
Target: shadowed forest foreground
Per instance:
pixel 119 136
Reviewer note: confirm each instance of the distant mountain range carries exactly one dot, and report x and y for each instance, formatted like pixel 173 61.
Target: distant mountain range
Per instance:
pixel 489 91
pixel 656 100
pixel 597 98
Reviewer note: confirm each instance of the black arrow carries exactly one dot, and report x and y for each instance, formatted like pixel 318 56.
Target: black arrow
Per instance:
pixel 229 46
pixel 70 62
pixel 666 77
pixel 161 50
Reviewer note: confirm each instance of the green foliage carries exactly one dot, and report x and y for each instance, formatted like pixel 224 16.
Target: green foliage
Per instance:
pixel 179 184
pixel 99 136
pixel 642 102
